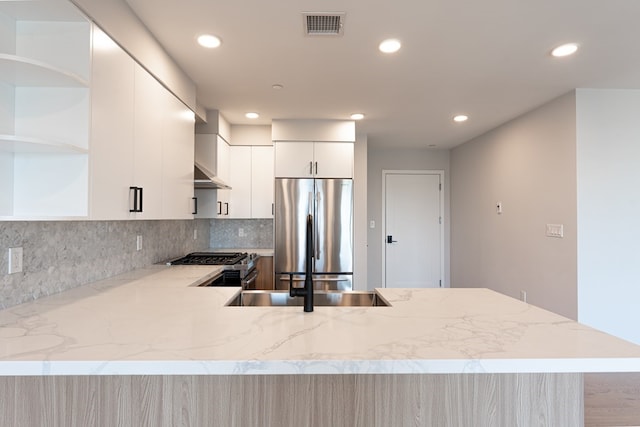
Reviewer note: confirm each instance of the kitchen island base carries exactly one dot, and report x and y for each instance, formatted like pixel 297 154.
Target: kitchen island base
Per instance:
pixel 538 399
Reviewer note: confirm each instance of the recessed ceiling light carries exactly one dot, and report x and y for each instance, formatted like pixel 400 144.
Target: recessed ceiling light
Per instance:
pixel 357 116
pixel 390 46
pixel 565 50
pixel 209 41
pixel 252 115
pixel 460 118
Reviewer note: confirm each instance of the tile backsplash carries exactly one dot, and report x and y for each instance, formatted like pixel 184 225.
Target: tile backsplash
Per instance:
pixel 241 233
pixel 60 255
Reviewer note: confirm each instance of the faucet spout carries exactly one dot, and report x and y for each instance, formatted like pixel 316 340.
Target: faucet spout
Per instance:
pixel 307 291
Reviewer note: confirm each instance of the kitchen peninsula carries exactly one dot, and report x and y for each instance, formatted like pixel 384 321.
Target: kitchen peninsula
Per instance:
pixel 150 347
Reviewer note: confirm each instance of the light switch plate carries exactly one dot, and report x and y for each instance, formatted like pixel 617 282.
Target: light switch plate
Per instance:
pixel 555 230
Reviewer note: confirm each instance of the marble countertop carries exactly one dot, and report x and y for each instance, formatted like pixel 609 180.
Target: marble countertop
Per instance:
pixel 157 321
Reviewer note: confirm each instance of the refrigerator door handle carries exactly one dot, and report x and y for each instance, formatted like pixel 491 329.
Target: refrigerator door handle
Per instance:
pixel 310 207
pixel 316 239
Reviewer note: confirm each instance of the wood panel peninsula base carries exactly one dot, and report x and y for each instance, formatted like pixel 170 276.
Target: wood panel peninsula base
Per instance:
pixel 295 400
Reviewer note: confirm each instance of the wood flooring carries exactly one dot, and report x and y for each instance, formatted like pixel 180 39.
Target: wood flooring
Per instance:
pixel 612 399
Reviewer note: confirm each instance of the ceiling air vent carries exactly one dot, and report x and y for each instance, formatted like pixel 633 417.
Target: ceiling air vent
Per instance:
pixel 323 24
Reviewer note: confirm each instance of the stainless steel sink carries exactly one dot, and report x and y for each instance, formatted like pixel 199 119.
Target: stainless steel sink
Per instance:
pixel 320 299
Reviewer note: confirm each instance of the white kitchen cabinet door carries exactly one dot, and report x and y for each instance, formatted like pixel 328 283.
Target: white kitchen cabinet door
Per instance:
pixel 313 159
pixel 293 159
pixel 333 159
pixel 111 147
pixel 222 171
pixel 177 159
pixel 262 181
pixel 148 133
pixel 240 181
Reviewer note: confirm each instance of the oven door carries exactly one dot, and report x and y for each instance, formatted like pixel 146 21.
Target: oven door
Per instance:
pixel 249 281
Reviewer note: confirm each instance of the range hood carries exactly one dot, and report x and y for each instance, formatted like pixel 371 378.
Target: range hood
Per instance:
pixel 204 178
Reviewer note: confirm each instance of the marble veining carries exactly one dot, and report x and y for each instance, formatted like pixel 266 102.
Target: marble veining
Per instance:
pixel 155 321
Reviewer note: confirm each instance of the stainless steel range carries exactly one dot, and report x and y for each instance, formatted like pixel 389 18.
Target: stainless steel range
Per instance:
pixel 238 267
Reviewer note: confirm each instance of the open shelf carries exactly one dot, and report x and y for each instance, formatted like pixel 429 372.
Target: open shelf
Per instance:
pixel 21 71
pixel 20 144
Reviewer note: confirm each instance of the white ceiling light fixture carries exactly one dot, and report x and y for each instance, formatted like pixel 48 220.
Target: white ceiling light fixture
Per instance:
pixel 252 115
pixel 277 86
pixel 460 118
pixel 357 116
pixel 209 41
pixel 390 46
pixel 565 50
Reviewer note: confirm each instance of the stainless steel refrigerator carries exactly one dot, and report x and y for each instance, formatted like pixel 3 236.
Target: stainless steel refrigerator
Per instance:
pixel 330 202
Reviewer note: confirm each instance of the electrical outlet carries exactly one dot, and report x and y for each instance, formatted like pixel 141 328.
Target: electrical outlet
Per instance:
pixel 372 224
pixel 15 260
pixel 523 296
pixel 499 208
pixel 195 234
pixel 240 232
pixel 138 243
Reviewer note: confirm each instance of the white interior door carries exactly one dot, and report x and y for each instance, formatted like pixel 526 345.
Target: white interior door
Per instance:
pixel 413 230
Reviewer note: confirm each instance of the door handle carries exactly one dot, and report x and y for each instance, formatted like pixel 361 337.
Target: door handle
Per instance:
pixel 390 239
pixel 137 199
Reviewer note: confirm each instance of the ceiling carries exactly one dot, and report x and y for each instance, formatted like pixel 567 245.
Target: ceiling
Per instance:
pixel 487 59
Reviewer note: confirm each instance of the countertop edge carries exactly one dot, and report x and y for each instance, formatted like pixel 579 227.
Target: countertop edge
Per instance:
pixel 317 367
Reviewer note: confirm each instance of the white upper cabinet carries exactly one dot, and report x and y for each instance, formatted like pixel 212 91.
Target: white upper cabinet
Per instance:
pixel 177 159
pixel 141 141
pixel 294 159
pixel 81 123
pixel 262 182
pixel 112 124
pixel 333 159
pixel 44 110
pixel 252 181
pixel 149 110
pixel 240 181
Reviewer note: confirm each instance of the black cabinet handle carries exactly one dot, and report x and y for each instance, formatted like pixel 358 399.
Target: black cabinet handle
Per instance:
pixel 219 208
pixel 310 168
pixel 137 199
pixel 226 206
pixel 316 168
pixel 273 209
pixel 195 205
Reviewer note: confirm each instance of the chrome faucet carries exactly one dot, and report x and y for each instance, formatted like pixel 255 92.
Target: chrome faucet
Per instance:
pixel 307 291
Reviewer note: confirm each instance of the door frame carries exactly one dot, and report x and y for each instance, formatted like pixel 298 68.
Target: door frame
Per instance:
pixel 386 172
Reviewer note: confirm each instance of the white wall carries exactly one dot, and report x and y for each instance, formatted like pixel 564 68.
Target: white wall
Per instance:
pixel 529 165
pixel 360 277
pixel 399 159
pixel 608 167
